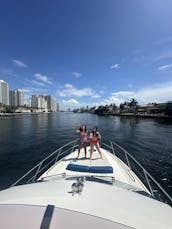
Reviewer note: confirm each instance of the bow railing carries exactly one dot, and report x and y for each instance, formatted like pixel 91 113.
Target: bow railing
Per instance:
pixel 33 174
pixel 154 188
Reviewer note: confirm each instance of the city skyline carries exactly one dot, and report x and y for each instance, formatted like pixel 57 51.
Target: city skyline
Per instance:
pixel 88 52
pixel 14 98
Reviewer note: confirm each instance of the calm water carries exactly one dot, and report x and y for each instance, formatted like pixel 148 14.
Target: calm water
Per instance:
pixel 25 140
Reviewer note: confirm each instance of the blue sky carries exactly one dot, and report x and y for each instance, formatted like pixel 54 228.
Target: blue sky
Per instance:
pixel 88 52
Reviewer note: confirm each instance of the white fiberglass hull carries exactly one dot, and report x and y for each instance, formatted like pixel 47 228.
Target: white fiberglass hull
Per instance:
pixel 107 200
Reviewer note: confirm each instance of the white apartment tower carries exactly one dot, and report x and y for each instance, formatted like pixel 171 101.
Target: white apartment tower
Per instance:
pixel 17 98
pixel 44 102
pixel 4 92
pixel 58 107
pixel 51 103
pixel 38 101
pixel 34 101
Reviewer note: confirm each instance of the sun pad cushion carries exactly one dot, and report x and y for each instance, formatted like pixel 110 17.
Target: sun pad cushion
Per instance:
pixel 78 168
pixel 91 169
pixel 101 169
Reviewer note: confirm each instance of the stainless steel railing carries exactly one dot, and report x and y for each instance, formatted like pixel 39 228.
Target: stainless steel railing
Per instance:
pixel 33 174
pixel 151 184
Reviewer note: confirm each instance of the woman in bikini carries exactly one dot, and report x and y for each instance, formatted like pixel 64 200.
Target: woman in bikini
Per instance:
pixel 94 137
pixel 82 130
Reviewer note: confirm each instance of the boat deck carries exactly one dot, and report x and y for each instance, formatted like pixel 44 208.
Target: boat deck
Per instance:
pixel 121 172
pixel 98 204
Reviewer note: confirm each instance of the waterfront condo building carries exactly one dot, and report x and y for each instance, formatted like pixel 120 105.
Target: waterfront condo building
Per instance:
pixel 43 102
pixel 4 92
pixel 17 98
pixel 51 103
pixel 58 107
pixel 38 102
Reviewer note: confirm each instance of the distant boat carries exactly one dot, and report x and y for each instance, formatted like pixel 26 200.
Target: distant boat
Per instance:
pixel 62 192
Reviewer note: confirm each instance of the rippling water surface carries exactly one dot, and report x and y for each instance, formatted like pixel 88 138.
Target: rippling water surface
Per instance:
pixel 25 140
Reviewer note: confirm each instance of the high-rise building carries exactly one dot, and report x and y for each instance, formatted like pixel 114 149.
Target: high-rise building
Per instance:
pixel 34 101
pixel 17 98
pixel 44 102
pixel 38 101
pixel 20 98
pixel 4 92
pixel 51 103
pixel 58 107
pixel 13 98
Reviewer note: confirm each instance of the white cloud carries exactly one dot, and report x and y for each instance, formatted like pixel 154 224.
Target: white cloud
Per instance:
pixel 37 83
pixel 33 90
pixel 19 63
pixel 70 90
pixel 34 83
pixel 113 99
pixel 42 78
pixel 7 71
pixel 27 90
pixel 119 97
pixel 156 93
pixel 165 67
pixel 76 74
pixel 115 66
pixel 123 94
pixel 71 102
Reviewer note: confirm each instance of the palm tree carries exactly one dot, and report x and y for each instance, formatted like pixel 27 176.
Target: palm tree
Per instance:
pixel 133 102
pixel 134 105
pixel 121 106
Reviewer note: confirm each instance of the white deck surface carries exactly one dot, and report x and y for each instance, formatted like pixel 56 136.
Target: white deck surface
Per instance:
pixel 106 201
pixel 61 218
pixel 121 172
pixel 97 199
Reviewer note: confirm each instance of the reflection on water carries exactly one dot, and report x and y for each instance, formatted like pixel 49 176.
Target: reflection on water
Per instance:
pixel 24 140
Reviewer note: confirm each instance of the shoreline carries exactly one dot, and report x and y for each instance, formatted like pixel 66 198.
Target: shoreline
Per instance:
pixel 18 114
pixel 141 116
pixel 162 117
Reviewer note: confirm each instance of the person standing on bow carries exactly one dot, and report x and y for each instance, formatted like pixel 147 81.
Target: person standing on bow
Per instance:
pixel 82 130
pixel 94 141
